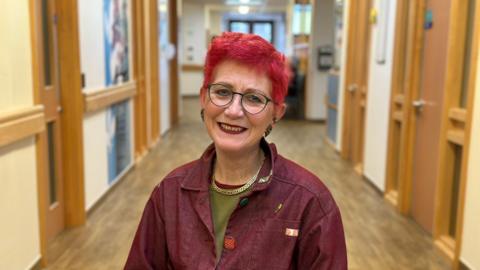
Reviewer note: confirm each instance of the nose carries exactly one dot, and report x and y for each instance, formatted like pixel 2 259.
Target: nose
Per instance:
pixel 235 110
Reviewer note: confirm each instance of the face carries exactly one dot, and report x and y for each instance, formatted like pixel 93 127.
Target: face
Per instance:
pixel 230 127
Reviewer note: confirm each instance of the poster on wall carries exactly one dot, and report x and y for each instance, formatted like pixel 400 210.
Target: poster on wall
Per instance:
pixel 117 71
pixel 115 17
pixel 118 145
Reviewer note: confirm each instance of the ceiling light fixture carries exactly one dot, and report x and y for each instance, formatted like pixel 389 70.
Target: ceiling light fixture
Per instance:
pixel 243 9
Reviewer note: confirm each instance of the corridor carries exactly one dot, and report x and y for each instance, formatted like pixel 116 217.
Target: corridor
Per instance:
pixel 378 237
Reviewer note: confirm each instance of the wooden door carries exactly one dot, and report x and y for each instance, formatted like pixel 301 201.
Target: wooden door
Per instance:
pixel 356 83
pixel 50 97
pixel 461 80
pixel 427 106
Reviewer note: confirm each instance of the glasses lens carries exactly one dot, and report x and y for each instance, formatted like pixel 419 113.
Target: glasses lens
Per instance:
pixel 220 95
pixel 254 103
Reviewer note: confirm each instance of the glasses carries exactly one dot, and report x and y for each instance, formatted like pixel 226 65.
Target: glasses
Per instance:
pixel 222 95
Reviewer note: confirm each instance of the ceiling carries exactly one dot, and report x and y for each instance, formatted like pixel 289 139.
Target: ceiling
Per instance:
pixel 275 3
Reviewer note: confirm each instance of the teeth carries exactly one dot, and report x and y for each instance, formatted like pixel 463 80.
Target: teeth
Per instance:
pixel 230 128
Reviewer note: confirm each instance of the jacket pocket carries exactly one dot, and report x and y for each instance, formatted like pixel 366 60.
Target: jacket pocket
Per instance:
pixel 275 244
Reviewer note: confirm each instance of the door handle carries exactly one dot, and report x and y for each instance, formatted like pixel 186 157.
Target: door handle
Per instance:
pixel 419 103
pixel 352 87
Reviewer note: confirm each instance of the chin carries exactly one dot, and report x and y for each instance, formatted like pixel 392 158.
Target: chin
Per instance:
pixel 232 145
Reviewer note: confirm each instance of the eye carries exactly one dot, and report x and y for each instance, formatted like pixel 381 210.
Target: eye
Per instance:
pixel 221 91
pixel 255 98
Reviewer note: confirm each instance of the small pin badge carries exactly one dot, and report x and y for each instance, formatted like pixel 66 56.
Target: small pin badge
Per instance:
pixel 291 232
pixel 229 242
pixel 278 207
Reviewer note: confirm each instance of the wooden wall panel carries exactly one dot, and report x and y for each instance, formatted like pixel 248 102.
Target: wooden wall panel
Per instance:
pixel 104 98
pixel 20 124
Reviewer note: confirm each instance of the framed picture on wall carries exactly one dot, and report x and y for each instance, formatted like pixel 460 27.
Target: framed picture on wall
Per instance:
pixel 115 16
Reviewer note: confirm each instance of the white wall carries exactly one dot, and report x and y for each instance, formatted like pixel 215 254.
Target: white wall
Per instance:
pixel 378 102
pixel 20 240
pixel 95 148
pixel 194 34
pixel 321 34
pixel 194 47
pixel 471 229
pixel 92 51
pixel 19 234
pixel 191 82
pixel 215 24
pixel 15 54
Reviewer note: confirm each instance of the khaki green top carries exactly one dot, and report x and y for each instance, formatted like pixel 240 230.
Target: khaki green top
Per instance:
pixel 222 207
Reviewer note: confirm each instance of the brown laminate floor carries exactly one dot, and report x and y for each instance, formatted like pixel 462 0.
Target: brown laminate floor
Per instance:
pixel 377 236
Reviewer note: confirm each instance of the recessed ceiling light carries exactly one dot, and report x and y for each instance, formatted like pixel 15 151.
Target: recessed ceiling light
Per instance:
pixel 243 9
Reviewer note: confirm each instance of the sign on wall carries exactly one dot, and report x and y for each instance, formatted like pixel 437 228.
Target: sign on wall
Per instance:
pixel 117 71
pixel 118 145
pixel 115 16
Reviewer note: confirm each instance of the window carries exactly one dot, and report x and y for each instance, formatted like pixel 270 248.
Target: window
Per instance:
pixel 261 28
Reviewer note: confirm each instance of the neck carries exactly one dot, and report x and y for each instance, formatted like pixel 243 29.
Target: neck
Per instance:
pixel 227 168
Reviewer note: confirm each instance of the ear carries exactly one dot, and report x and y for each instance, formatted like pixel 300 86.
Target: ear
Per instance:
pixel 203 98
pixel 279 111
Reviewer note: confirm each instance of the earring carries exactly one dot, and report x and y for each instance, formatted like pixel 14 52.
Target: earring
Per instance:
pixel 270 127
pixel 202 114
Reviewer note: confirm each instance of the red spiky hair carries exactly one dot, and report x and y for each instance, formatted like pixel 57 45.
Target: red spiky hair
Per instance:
pixel 251 50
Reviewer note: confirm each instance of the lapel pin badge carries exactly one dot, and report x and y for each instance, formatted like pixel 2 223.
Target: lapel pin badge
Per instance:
pixel 291 232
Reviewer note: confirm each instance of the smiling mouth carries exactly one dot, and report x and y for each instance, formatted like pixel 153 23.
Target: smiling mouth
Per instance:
pixel 231 129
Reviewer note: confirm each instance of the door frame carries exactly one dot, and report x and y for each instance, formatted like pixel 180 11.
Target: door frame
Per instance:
pixel 405 85
pixel 145 72
pixel 140 103
pixel 71 118
pixel 152 72
pixel 173 65
pixel 351 74
pixel 456 127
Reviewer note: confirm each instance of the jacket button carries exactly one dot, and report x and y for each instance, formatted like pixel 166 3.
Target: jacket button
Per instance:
pixel 243 202
pixel 229 242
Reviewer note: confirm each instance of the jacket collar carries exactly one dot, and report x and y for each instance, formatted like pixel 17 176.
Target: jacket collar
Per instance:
pixel 199 177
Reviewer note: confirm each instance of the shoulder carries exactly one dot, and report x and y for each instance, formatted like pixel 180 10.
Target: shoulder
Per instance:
pixel 303 182
pixel 177 175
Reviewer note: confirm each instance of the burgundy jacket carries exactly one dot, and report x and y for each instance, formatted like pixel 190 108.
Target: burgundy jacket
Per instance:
pixel 288 221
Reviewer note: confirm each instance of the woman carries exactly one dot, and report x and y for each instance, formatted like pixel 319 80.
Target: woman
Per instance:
pixel 241 205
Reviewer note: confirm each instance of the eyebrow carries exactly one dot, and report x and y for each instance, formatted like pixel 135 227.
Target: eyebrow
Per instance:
pixel 248 90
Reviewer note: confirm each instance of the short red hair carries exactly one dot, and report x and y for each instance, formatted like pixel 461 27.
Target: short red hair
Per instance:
pixel 251 50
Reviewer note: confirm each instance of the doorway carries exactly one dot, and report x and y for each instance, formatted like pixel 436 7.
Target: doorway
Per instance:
pixel 49 94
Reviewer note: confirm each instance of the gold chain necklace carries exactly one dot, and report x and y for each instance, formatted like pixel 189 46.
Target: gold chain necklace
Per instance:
pixel 231 192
